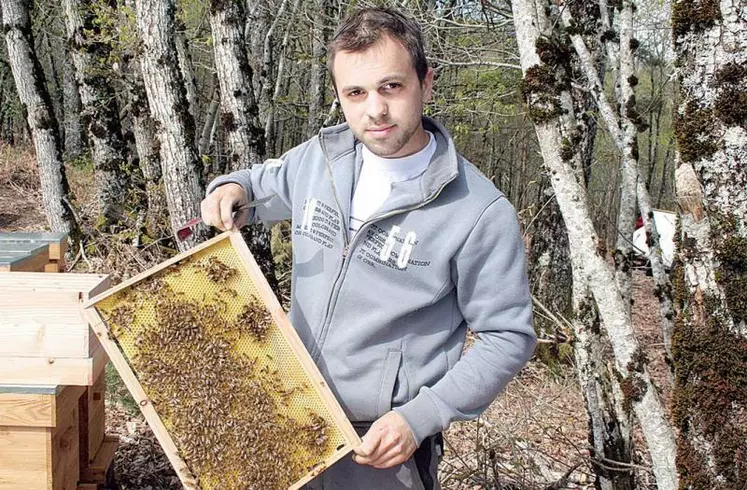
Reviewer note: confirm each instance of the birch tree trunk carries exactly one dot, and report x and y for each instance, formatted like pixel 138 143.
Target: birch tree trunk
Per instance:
pixel 318 70
pixel 240 113
pixel 74 146
pixel 32 91
pixel 544 96
pixel 90 54
pixel 624 130
pixel 609 427
pixel 175 127
pixel 710 272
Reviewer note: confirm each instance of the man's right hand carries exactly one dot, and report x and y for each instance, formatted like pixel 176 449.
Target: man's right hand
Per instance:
pixel 219 206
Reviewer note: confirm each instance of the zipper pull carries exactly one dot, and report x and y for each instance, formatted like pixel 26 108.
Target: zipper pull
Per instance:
pixel 345 251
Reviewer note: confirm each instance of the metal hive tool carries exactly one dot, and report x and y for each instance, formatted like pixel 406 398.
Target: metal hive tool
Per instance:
pixel 219 373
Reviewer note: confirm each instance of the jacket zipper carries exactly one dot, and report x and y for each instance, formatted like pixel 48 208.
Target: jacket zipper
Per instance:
pixel 336 285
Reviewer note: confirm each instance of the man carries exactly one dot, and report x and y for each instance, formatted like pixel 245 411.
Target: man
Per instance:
pixel 399 245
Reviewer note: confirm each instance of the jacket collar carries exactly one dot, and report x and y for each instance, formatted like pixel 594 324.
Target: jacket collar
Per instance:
pixel 339 141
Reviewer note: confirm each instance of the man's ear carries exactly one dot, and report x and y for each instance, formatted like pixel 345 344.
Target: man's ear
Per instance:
pixel 427 85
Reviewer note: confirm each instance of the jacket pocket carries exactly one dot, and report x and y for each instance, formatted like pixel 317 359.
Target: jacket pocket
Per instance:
pixel 388 380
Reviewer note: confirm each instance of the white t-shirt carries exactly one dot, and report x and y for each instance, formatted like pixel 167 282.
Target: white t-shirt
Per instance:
pixel 377 176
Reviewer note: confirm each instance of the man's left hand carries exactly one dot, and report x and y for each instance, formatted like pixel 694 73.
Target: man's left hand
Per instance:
pixel 387 443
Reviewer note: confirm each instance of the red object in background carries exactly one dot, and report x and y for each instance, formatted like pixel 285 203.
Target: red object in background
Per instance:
pixel 639 223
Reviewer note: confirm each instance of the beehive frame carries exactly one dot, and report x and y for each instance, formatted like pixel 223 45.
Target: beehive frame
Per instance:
pixel 336 427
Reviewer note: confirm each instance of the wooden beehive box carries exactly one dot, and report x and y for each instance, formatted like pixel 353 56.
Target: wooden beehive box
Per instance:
pixel 219 372
pixel 44 336
pixel 39 443
pixel 52 259
pixel 26 257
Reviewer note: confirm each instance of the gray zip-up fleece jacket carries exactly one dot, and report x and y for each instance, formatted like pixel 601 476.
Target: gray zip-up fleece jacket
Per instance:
pixel 384 315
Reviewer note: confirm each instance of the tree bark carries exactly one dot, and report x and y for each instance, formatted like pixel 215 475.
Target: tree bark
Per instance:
pixel 74 146
pixel 208 125
pixel 100 109
pixel 55 85
pixel 146 142
pixel 544 100
pixel 239 110
pixel 271 91
pixel 34 97
pixel 318 69
pixel 549 269
pixel 175 127
pixel 240 113
pixel 187 69
pixel 624 130
pixel 709 344
pixel 609 434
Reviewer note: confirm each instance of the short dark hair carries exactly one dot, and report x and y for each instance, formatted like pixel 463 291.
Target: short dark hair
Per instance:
pixel 365 27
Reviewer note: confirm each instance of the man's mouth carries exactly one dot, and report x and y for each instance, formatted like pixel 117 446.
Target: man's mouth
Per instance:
pixel 380 130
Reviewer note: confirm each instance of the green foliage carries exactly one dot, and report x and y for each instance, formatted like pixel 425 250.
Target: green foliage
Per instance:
pixel 83 162
pixel 117 391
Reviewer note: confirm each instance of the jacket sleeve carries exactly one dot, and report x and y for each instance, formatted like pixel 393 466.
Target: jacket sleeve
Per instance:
pixel 275 177
pixel 489 274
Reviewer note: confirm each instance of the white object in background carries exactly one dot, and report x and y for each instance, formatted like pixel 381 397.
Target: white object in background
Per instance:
pixel 665 221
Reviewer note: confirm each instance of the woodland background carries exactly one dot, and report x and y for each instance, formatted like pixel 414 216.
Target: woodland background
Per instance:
pixel 114 115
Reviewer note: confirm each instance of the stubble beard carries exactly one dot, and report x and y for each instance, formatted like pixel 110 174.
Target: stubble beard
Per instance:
pixel 389 146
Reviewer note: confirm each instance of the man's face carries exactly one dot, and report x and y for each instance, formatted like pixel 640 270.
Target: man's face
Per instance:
pixel 382 98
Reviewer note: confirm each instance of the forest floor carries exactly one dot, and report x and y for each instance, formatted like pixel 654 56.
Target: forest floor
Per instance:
pixel 534 436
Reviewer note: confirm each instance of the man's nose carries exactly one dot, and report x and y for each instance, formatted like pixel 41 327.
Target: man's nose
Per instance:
pixel 376 108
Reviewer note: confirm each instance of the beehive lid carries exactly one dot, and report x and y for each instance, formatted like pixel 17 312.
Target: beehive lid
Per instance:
pixel 219 373
pixel 86 285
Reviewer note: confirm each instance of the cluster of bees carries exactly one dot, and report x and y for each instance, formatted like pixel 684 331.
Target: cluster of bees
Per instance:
pixel 222 406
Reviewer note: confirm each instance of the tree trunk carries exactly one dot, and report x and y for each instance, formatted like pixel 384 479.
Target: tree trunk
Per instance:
pixel 185 66
pixel 239 113
pixel 175 127
pixel 609 434
pixel 549 270
pixel 271 91
pixel 710 272
pixel 624 130
pixel 208 125
pixel 100 109
pixel 545 102
pixel 55 85
pixel 318 70
pixel 74 146
pixel 34 97
pixel 258 20
pixel 146 142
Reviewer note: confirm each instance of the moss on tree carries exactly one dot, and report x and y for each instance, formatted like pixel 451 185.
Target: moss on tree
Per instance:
pixel 694 15
pixel 730 105
pixel 694 131
pixel 708 402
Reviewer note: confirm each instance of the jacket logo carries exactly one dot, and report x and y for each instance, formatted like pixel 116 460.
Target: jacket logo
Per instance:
pixel 405 250
pixel 319 222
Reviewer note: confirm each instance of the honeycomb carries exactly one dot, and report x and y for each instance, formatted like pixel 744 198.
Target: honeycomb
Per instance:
pixel 225 382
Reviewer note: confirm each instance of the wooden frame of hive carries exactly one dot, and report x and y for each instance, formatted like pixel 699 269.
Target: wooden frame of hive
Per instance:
pixel 96 312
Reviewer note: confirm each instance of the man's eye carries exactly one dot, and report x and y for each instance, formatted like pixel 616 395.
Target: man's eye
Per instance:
pixel 392 86
pixel 354 93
